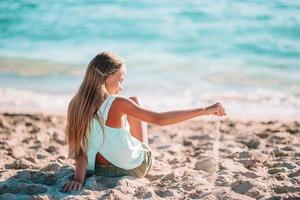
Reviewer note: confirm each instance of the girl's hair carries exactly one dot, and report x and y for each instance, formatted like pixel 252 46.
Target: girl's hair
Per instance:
pixel 91 94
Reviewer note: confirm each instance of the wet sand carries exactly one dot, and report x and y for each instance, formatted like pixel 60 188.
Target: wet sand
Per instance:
pixel 256 160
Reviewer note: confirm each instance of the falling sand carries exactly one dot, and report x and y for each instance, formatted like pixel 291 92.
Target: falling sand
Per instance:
pixel 216 150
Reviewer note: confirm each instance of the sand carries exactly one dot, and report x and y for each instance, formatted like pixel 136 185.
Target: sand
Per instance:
pixel 252 160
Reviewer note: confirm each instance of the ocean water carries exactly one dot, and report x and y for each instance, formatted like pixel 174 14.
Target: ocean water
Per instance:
pixel 179 54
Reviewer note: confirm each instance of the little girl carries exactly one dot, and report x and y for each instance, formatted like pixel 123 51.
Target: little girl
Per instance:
pixel 107 134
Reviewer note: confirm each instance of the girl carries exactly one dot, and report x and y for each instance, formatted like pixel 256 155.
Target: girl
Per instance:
pixel 106 133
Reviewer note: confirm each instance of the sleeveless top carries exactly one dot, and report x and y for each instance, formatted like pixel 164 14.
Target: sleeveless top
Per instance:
pixel 117 145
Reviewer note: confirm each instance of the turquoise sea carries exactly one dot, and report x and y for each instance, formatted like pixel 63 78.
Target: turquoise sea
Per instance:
pixel 179 54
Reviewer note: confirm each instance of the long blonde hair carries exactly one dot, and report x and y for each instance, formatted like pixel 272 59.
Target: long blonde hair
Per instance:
pixel 91 94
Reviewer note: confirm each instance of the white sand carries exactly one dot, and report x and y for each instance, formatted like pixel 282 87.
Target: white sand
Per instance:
pixel 256 159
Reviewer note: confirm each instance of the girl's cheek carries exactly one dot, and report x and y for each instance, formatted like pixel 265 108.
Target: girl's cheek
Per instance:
pixel 117 87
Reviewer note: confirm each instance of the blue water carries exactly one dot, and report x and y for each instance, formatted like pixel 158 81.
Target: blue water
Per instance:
pixel 172 48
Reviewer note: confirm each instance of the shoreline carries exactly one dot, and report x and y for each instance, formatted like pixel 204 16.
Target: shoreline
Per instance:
pixel 254 105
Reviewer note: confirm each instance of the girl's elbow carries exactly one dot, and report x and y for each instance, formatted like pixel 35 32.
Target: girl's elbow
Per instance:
pixel 159 123
pixel 159 120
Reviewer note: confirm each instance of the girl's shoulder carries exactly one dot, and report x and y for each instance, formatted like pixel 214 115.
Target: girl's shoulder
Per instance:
pixel 121 101
pixel 120 104
pixel 118 101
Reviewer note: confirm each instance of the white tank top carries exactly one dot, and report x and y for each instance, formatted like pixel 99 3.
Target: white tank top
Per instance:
pixel 117 146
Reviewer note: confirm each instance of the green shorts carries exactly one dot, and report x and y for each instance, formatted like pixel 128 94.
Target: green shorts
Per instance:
pixel 111 170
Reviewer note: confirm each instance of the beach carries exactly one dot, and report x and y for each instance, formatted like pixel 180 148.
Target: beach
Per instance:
pixel 179 55
pixel 196 159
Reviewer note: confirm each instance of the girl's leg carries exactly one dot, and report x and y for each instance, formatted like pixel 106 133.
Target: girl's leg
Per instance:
pixel 138 129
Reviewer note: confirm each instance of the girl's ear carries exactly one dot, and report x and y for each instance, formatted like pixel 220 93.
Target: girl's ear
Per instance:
pixel 108 79
pixel 104 86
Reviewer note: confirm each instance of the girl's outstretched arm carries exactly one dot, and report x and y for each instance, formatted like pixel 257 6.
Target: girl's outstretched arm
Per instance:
pixel 80 169
pixel 130 108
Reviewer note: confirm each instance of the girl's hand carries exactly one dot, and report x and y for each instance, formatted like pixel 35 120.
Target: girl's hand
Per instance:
pixel 216 109
pixel 72 185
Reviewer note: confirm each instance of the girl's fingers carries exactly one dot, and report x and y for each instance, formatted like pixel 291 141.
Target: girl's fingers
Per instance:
pixel 66 186
pixel 222 110
pixel 75 185
pixel 72 186
pixel 79 186
pixel 69 187
pixel 219 111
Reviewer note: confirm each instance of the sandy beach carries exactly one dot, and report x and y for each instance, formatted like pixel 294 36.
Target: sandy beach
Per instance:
pixel 250 160
pixel 178 55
